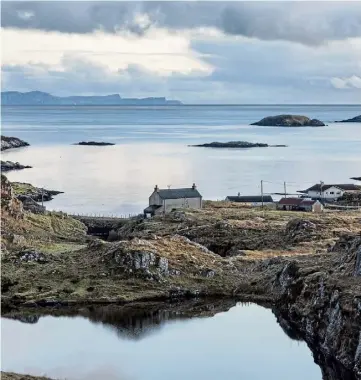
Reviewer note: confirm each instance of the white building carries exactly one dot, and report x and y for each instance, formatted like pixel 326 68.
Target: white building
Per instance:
pixel 330 192
pixel 165 200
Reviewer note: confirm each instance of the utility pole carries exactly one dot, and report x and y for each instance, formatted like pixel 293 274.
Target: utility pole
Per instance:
pixel 284 186
pixel 42 197
pixel 262 192
pixel 321 185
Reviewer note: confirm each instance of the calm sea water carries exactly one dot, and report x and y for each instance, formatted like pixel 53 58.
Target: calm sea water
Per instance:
pixel 244 343
pixel 152 148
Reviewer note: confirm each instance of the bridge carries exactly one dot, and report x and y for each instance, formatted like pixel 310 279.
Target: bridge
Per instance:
pixel 99 225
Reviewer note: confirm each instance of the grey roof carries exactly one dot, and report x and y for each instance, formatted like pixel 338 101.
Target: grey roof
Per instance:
pixel 250 198
pixel 179 193
pixel 344 186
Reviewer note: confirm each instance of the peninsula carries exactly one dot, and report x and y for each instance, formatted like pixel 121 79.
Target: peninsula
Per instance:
pixel 39 98
pixel 356 119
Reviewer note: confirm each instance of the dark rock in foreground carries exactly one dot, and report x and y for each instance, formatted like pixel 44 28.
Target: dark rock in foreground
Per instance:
pixel 235 144
pixel 94 143
pixel 12 142
pixel 289 121
pixel 7 166
pixel 356 119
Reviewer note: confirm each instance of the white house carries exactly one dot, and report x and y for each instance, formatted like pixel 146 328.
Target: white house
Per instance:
pixel 165 200
pixel 330 192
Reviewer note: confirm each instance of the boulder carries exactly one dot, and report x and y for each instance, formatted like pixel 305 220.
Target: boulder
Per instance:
pixel 289 121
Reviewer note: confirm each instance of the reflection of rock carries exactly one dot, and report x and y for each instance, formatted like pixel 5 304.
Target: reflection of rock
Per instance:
pixel 134 321
pixel 289 121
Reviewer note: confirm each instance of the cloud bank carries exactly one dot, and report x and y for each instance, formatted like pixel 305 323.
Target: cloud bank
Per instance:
pixel 198 52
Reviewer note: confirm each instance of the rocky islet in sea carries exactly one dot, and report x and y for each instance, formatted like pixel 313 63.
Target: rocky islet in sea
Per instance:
pixel 289 121
pixel 235 145
pixel 94 143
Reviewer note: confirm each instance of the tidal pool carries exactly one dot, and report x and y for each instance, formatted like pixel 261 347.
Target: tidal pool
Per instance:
pixel 231 341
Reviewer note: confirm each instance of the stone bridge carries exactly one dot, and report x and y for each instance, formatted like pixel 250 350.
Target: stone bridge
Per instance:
pixel 102 225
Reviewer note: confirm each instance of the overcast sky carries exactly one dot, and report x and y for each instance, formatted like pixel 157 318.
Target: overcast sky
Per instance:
pixel 198 52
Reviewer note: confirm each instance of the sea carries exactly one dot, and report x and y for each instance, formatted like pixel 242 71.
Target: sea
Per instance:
pixel 152 147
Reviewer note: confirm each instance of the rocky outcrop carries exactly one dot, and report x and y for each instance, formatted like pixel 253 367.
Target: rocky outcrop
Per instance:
pixel 23 191
pixel 236 145
pixel 94 143
pixel 323 303
pixel 289 121
pixel 356 119
pixel 12 142
pixel 7 166
pixel 9 203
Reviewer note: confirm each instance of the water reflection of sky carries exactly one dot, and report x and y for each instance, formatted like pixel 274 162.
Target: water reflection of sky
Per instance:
pixel 243 343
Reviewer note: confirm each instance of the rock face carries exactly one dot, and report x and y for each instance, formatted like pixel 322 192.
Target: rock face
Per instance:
pixel 324 306
pixel 236 144
pixel 289 121
pixel 9 203
pixel 356 119
pixel 12 142
pixel 94 143
pixel 7 166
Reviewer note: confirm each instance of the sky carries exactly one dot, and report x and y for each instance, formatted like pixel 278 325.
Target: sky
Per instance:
pixel 198 52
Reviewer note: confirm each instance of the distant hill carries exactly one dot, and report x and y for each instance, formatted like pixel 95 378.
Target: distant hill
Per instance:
pixel 37 98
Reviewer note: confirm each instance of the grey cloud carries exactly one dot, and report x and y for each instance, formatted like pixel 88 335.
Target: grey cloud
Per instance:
pixel 309 23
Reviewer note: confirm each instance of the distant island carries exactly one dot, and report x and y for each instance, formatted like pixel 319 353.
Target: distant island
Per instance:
pixel 94 143
pixel 235 145
pixel 289 121
pixel 38 98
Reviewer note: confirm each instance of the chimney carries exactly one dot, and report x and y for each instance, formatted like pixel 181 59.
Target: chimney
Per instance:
pixel 156 188
pixel 239 194
pixel 194 186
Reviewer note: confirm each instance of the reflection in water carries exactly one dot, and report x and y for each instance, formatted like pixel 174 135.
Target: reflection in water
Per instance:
pixel 191 340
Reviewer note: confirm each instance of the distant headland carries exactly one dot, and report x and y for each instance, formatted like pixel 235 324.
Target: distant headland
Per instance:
pixel 38 98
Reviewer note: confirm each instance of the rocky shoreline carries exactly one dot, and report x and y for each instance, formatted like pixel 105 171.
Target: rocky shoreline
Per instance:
pixel 12 142
pixel 237 145
pixel 7 166
pixel 289 121
pixel 23 190
pixel 307 267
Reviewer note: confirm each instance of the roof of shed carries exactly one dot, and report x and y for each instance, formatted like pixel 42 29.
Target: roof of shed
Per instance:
pixel 179 193
pixel 250 198
pixel 290 201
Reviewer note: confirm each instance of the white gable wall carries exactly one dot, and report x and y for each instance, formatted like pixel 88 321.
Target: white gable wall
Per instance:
pixel 331 193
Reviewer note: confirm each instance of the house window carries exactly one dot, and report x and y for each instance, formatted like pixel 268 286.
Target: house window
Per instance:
pixel 339 192
pixel 332 192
